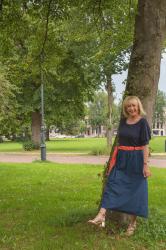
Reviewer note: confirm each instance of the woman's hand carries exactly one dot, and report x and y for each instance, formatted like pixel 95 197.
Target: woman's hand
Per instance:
pixel 146 171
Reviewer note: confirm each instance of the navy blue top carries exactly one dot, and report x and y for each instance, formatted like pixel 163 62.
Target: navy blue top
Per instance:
pixel 137 134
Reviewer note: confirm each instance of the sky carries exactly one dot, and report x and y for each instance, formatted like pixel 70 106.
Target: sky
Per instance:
pixel 118 79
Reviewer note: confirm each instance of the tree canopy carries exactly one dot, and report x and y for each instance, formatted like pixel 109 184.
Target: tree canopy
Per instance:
pixel 81 44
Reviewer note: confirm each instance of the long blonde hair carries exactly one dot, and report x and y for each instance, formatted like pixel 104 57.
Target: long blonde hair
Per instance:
pixel 140 106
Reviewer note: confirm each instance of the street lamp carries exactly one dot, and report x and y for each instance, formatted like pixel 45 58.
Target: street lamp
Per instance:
pixel 42 145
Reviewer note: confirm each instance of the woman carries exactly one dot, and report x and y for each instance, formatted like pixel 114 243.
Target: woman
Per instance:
pixel 126 189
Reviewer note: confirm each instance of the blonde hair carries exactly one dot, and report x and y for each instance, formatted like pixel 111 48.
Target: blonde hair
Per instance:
pixel 140 106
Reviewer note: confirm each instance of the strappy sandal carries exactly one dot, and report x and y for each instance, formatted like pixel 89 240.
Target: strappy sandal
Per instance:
pixel 131 228
pixel 99 220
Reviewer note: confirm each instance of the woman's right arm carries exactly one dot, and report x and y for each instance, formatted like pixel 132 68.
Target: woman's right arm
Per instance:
pixel 146 169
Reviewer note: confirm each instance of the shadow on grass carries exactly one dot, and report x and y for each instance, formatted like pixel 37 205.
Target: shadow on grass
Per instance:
pixel 43 162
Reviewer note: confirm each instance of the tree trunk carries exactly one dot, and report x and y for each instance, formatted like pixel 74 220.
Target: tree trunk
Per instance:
pixel 144 67
pixel 109 122
pixel 36 125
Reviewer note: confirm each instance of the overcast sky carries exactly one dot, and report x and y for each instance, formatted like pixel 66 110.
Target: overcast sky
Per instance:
pixel 118 79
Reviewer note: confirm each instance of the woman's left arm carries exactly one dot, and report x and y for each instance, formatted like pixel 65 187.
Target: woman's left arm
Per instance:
pixel 146 169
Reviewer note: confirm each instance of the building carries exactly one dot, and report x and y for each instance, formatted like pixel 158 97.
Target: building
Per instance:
pixel 159 126
pixel 94 131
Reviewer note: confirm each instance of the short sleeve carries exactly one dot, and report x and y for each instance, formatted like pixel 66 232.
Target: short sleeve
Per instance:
pixel 145 132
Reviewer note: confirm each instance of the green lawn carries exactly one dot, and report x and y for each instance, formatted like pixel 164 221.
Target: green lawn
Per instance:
pixel 45 206
pixel 157 144
pixel 79 145
pixel 76 145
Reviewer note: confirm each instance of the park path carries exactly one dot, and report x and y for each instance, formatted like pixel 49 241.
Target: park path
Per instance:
pixel 158 161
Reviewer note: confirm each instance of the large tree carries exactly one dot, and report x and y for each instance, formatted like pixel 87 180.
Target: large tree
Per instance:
pixel 144 68
pixel 35 28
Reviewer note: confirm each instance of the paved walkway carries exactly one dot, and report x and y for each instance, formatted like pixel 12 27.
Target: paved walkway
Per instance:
pixel 158 161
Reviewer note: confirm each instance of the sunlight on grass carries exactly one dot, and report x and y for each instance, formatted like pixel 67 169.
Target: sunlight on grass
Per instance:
pixel 80 145
pixel 46 206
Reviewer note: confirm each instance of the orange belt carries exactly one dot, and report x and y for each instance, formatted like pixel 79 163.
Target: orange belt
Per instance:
pixel 126 148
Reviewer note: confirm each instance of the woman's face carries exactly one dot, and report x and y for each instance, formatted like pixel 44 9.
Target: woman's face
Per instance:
pixel 132 108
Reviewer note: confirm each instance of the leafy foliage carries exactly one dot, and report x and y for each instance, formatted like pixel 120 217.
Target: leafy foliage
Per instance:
pixel 81 44
pixel 28 146
pixel 159 112
pixel 97 110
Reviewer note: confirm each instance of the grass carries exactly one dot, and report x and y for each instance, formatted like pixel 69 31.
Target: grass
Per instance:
pixel 157 144
pixel 80 145
pixel 77 145
pixel 46 206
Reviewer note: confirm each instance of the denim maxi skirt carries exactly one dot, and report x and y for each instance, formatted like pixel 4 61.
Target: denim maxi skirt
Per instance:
pixel 126 189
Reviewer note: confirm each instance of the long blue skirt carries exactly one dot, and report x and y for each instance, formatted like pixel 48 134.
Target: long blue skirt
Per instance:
pixel 126 189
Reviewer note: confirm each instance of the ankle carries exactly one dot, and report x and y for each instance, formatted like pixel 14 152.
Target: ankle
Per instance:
pixel 133 222
pixel 102 212
pixel 132 225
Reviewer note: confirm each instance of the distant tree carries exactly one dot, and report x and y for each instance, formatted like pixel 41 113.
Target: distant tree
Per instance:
pixel 113 28
pixel 8 104
pixel 66 83
pixel 160 104
pixel 6 92
pixel 98 111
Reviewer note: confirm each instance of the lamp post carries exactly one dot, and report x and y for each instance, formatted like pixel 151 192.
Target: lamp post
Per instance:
pixel 42 145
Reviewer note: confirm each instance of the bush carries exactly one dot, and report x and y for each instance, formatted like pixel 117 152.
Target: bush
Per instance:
pixel 18 139
pixel 29 146
pixel 100 151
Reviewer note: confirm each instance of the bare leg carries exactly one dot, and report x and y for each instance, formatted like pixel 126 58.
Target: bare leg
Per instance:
pixel 133 219
pixel 102 211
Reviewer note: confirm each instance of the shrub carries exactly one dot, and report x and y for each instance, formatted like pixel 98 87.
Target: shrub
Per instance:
pixel 100 151
pixel 29 146
pixel 18 139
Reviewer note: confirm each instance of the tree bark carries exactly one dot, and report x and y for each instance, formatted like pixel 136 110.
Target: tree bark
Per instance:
pixel 144 67
pixel 109 89
pixel 35 126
